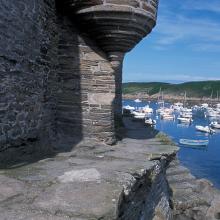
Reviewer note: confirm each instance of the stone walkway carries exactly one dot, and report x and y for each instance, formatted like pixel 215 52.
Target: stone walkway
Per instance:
pixel 95 181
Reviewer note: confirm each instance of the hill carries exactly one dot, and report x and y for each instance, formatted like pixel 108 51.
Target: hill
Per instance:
pixel 199 89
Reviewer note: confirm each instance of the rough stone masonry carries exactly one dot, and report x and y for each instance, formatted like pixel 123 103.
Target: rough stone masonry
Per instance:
pixel 61 66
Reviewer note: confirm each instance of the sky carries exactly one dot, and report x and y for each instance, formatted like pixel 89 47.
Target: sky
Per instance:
pixel 184 45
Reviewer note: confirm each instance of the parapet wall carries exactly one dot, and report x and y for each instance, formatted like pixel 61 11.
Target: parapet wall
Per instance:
pixel 61 66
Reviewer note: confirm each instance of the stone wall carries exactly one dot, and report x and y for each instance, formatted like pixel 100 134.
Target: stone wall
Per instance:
pixel 148 197
pixel 55 81
pixel 27 63
pixel 86 83
pixel 61 67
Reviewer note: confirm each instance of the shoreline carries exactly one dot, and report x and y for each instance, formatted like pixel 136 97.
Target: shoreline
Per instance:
pixel 170 98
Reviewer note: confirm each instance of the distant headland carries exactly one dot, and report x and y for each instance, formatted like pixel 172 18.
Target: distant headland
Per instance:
pixel 196 90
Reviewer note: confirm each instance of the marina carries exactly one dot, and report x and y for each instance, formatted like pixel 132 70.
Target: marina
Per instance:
pixel 197 134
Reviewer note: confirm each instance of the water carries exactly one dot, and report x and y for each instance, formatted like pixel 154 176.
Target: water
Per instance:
pixel 204 162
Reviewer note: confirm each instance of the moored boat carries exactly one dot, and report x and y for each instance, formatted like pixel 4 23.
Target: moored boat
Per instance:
pixel 167 117
pixel 137 100
pixel 205 129
pixel 147 109
pixel 194 142
pixel 138 115
pixel 215 124
pixel 128 107
pixel 150 121
pixel 184 120
pixel 212 113
pixel 127 110
pixel 178 106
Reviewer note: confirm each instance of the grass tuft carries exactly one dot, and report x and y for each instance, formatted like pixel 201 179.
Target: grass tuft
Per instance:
pixel 165 139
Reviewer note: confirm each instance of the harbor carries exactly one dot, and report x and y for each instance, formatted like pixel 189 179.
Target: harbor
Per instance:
pixel 194 123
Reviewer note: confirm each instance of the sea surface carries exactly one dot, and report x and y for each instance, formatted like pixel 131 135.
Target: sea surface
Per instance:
pixel 204 162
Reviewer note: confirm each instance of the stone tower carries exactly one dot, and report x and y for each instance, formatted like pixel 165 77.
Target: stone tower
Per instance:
pixel 116 26
pixel 61 66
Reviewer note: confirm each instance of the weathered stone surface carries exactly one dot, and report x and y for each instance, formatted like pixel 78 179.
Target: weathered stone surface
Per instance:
pixel 191 198
pixel 94 181
pixel 52 73
pixel 117 26
pixel 28 42
pixel 10 188
pixel 85 175
pixel 100 98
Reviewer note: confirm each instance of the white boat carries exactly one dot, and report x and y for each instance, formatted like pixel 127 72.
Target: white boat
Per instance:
pixel 194 142
pixel 146 109
pixel 135 113
pixel 205 129
pixel 167 117
pixel 137 100
pixel 186 115
pixel 178 106
pixel 165 111
pixel 128 107
pixel 212 113
pixel 138 115
pixel 215 124
pixel 205 105
pixel 150 121
pixel 184 120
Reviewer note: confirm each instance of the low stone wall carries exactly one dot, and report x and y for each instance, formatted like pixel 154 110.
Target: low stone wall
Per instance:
pixel 148 197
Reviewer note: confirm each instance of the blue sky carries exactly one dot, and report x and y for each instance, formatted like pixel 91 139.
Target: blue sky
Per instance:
pixel 184 46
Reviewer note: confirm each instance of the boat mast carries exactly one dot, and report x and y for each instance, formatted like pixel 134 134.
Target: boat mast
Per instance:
pixel 211 97
pixel 184 103
pixel 159 95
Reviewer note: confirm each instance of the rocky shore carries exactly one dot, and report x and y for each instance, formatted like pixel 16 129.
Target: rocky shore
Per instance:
pixel 139 178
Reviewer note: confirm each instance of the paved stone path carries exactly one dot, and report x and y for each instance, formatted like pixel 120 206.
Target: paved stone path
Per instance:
pixel 86 183
pixel 96 181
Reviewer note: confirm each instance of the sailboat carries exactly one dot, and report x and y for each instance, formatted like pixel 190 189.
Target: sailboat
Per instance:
pixel 185 113
pixel 205 129
pixel 215 124
pixel 160 100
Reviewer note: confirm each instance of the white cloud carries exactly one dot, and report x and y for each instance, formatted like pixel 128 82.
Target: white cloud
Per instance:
pixel 202 5
pixel 212 47
pixel 173 27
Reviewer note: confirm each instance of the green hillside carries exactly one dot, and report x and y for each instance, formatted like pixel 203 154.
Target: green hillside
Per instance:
pixel 193 89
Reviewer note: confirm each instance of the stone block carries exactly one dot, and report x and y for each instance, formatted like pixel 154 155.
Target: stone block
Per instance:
pixel 100 98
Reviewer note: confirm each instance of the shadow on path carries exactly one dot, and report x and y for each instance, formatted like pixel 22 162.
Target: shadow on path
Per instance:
pixel 137 129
